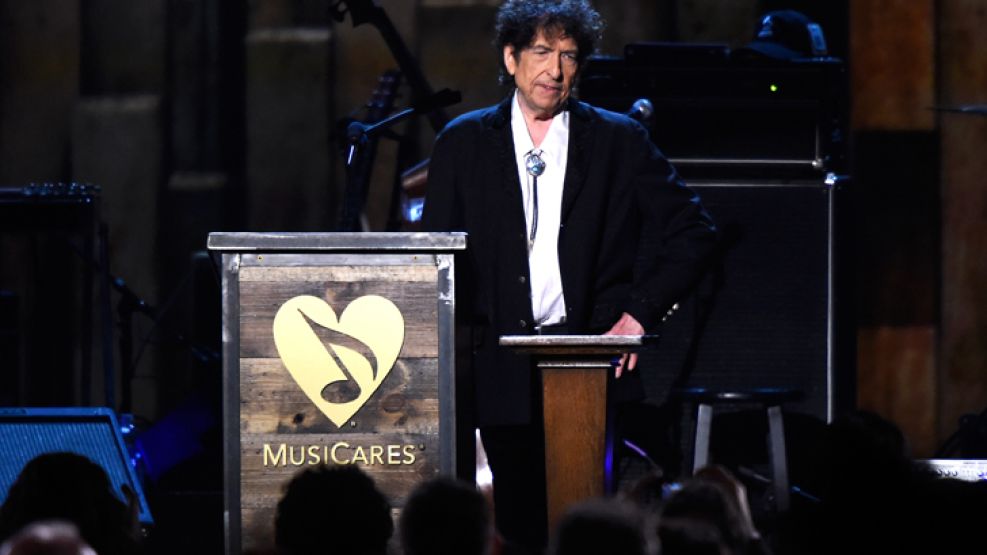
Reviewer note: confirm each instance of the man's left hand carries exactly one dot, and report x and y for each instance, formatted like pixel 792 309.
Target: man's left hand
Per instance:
pixel 627 325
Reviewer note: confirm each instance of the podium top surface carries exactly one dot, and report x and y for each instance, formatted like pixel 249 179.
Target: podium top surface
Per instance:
pixel 350 242
pixel 577 344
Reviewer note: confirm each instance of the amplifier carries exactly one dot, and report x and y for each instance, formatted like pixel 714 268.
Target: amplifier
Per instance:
pixel 783 118
pixel 48 206
pixel 772 310
pixel 94 433
pixel 53 257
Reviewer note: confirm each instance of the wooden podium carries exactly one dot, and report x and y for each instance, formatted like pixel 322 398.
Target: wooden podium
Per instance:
pixel 338 348
pixel 574 371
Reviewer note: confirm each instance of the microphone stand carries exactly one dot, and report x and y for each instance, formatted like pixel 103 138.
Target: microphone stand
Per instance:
pixel 128 305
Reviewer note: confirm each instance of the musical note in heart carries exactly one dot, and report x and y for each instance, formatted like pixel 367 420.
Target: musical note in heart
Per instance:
pixel 339 362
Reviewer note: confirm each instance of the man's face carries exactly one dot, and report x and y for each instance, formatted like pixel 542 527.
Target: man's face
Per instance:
pixel 544 72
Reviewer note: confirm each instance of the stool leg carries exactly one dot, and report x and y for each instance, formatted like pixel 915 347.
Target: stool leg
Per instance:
pixel 704 420
pixel 779 464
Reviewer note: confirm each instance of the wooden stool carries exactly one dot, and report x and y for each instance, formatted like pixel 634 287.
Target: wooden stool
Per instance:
pixel 769 398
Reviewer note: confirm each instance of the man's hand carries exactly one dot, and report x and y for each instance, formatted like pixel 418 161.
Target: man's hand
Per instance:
pixel 627 325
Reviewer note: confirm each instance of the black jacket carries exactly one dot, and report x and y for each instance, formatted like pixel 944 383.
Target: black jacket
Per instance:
pixel 633 238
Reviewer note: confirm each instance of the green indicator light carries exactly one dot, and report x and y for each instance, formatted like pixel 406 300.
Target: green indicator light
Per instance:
pixel 773 87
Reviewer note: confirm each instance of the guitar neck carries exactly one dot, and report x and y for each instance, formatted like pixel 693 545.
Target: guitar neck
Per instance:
pixel 420 89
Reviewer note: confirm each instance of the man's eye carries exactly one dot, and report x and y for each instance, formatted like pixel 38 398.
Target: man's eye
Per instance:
pixel 569 57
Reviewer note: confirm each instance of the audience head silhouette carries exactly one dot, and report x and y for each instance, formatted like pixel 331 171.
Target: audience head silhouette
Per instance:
pixel 71 488
pixel 333 510
pixel 700 513
pixel 685 536
pixel 47 538
pixel 445 517
pixel 601 526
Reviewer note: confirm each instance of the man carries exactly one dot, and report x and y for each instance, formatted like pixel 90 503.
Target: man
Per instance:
pixel 576 223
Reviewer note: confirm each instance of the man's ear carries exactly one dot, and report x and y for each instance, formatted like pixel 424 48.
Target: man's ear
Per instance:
pixel 509 62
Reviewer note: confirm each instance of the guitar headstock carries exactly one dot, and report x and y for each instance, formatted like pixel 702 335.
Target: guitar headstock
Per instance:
pixel 361 11
pixel 382 99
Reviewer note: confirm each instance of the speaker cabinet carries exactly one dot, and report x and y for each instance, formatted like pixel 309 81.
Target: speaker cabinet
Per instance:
pixel 94 433
pixel 770 311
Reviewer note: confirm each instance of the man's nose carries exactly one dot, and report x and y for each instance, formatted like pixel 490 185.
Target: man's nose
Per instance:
pixel 555 66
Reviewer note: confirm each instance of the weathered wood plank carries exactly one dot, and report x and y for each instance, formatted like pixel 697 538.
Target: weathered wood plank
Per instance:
pixel 260 302
pixel 271 402
pixel 396 462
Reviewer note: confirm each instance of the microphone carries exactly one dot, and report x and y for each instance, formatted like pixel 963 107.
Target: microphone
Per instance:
pixel 642 110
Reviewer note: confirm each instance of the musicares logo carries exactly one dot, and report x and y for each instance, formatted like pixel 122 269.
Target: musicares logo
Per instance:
pixel 339 362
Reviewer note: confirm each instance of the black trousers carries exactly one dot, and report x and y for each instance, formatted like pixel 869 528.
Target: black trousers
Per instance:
pixel 516 454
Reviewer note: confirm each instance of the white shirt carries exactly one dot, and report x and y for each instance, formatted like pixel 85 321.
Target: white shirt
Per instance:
pixel 547 302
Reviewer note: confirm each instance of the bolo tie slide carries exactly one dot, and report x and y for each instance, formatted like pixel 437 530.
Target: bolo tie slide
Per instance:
pixel 535 166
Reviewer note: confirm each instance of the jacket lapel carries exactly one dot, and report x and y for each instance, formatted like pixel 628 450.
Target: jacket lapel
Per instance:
pixel 577 165
pixel 499 126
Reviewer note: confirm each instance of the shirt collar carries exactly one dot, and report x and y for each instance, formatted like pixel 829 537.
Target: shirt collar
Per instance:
pixel 555 141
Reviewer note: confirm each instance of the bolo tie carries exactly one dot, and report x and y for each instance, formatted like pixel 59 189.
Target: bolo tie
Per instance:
pixel 535 166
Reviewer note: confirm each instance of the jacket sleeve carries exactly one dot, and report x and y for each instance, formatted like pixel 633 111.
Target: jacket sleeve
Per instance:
pixel 442 210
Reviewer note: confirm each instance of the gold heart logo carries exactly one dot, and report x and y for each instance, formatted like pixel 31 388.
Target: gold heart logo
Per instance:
pixel 339 363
